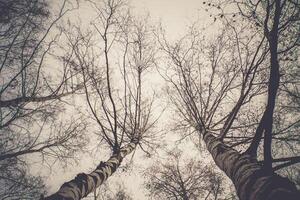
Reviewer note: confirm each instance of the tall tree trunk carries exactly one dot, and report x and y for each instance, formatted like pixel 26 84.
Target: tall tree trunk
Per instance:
pixel 83 184
pixel 250 179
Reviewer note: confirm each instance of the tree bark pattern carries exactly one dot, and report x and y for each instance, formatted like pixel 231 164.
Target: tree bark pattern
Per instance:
pixel 83 184
pixel 251 180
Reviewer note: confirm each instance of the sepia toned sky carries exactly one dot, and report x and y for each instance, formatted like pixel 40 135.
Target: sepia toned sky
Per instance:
pixel 175 15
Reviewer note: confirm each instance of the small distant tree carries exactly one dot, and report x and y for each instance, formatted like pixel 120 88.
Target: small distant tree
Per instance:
pixel 106 191
pixel 184 179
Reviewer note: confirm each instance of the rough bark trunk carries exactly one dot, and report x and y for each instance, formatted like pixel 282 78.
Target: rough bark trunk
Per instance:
pixel 251 181
pixel 83 184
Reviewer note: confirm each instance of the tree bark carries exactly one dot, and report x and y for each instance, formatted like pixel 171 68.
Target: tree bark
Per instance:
pixel 249 177
pixel 83 184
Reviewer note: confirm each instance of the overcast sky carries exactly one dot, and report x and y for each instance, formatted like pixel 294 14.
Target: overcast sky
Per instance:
pixel 174 14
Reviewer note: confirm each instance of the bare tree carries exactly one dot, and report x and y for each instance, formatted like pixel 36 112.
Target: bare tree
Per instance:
pixel 117 103
pixel 27 93
pixel 238 71
pixel 183 179
pixel 29 96
pixel 110 191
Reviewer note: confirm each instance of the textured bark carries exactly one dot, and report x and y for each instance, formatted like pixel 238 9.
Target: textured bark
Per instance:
pixel 251 180
pixel 83 184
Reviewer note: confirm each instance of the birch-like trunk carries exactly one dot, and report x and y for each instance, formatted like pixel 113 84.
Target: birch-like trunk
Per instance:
pixel 250 179
pixel 83 184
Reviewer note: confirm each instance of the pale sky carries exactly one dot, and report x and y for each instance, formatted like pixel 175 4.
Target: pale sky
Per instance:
pixel 174 14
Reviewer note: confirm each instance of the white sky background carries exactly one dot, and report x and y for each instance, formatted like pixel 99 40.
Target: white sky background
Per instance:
pixel 175 16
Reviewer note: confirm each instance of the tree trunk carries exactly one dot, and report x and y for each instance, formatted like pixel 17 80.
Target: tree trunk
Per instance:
pixel 250 179
pixel 83 184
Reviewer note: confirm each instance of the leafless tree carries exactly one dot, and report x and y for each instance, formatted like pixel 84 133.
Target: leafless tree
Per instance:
pixel 117 101
pixel 29 95
pixel 183 179
pixel 220 89
pixel 110 192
